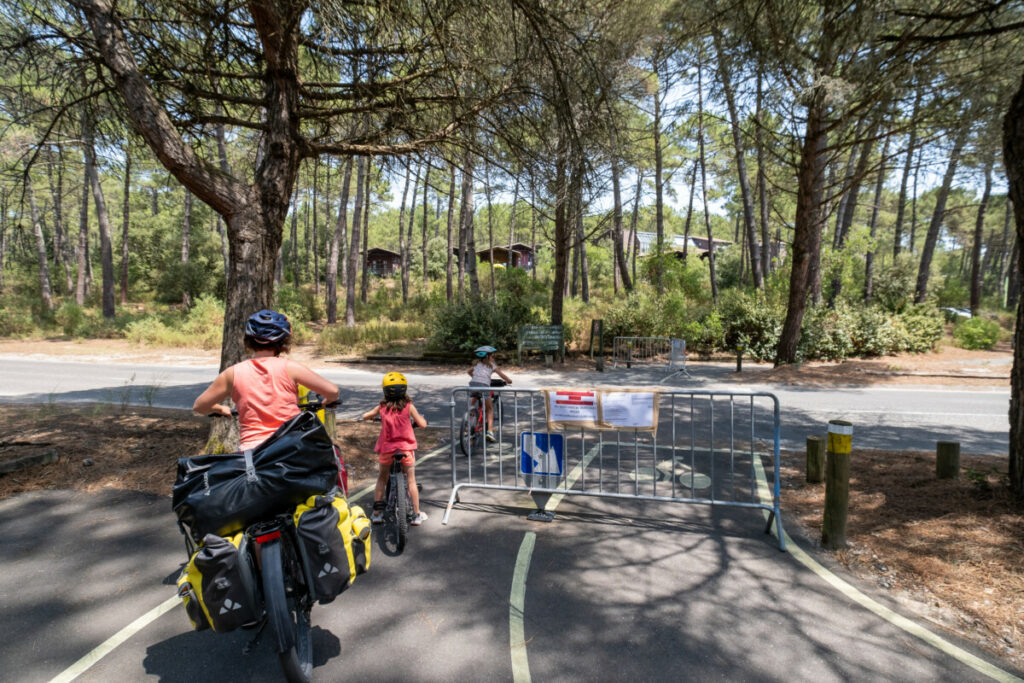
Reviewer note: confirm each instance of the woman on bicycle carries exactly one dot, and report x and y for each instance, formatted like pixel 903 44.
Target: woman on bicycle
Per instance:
pixel 480 376
pixel 396 436
pixel 265 386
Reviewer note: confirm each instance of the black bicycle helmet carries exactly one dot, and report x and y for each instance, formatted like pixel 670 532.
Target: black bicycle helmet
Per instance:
pixel 267 327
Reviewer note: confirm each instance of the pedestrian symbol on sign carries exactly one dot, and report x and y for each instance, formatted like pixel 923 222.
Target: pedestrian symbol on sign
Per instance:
pixel 541 453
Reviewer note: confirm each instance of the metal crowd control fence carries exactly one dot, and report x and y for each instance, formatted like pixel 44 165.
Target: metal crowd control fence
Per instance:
pixel 641 350
pixel 706 447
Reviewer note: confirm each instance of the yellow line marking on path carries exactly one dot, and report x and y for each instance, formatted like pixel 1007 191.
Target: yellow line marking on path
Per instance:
pixel 517 605
pixel 852 593
pixel 108 645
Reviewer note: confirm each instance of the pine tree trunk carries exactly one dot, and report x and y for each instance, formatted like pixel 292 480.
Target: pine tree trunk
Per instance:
pixel 186 236
pixel 928 250
pixel 689 211
pixel 363 282
pixel 562 235
pixel 979 229
pixel 353 252
pixel 901 204
pixel 762 181
pixel 3 236
pixel 533 230
pixel 876 205
pixel 294 236
pixel 423 246
pixel 1013 158
pixel 750 229
pixel 849 210
pixel 451 227
pixel 806 229
pixel 407 257
pixel 401 231
pixel 45 290
pixel 659 188
pixel 82 251
pixel 468 229
pixel 125 225
pixel 704 183
pixel 316 231
pixel 490 232
pixel 620 266
pixel 337 243
pixel 57 196
pixel 581 238
pixel 634 239
pixel 106 248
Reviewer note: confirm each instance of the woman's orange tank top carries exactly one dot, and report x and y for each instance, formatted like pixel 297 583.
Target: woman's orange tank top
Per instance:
pixel 266 397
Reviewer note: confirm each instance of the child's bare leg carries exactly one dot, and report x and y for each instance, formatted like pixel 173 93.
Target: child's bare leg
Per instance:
pixel 414 491
pixel 382 482
pixel 490 415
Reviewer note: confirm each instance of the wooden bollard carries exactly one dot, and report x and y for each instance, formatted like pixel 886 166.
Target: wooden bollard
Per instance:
pixel 815 460
pixel 837 484
pixel 947 460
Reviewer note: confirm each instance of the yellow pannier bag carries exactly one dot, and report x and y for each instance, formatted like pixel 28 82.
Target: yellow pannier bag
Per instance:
pixel 218 586
pixel 335 542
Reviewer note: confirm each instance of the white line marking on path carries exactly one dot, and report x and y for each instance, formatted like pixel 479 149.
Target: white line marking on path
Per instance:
pixel 107 646
pixel 517 600
pixel 517 606
pixel 897 620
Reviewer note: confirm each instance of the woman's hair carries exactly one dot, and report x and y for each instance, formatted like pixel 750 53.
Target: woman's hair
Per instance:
pixel 278 347
pixel 397 403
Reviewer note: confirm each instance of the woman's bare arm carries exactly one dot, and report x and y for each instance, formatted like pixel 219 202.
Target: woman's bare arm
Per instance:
pixel 312 381
pixel 209 401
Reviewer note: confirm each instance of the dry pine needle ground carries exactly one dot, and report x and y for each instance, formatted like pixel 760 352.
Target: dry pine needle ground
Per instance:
pixel 951 550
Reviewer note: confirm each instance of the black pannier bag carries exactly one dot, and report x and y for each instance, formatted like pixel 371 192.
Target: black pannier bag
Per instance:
pixel 218 585
pixel 223 494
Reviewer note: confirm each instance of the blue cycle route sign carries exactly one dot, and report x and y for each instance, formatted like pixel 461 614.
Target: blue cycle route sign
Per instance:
pixel 541 453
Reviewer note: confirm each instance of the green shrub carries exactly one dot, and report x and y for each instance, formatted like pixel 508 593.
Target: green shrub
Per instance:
pixel 827 334
pixel 876 333
pixel 924 327
pixel 16 322
pixel 202 326
pixel 750 320
pixel 301 304
pixel 976 333
pixel 893 284
pixel 70 317
pixel 194 277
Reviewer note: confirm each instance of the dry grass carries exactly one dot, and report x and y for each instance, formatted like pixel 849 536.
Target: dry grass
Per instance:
pixel 953 551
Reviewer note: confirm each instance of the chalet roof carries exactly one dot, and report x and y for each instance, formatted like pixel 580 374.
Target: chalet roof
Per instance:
pixel 383 252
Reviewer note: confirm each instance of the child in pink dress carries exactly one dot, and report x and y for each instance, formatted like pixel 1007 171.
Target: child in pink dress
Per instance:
pixel 396 436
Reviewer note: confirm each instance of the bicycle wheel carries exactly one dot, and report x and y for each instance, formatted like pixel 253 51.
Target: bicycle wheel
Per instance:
pixel 287 619
pixel 469 430
pixel 399 507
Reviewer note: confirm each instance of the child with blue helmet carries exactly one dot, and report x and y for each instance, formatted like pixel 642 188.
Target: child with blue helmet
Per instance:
pixel 480 376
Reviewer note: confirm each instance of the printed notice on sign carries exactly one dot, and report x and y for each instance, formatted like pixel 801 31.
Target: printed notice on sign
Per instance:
pixel 572 408
pixel 628 409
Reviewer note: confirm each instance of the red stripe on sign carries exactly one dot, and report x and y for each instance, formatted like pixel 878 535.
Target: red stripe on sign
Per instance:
pixel 575 394
pixel 574 403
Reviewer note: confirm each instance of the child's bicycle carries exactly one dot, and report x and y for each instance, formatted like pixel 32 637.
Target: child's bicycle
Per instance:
pixel 397 508
pixel 473 428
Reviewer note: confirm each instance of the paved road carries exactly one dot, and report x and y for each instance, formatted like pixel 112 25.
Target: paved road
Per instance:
pixel 892 417
pixel 612 590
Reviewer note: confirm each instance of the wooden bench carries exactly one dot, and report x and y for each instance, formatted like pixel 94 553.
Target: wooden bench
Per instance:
pixel 540 338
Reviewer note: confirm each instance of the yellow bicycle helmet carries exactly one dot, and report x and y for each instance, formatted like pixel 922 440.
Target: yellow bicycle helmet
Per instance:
pixel 394 386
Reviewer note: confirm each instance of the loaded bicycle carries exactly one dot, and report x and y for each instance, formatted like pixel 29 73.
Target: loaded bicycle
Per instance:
pixel 269 574
pixel 473 432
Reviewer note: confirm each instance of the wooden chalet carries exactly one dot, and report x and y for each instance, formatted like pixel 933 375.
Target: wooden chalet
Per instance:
pixel 383 262
pixel 519 255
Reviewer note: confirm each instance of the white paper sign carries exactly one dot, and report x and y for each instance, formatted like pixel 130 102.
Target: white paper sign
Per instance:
pixel 567 405
pixel 628 409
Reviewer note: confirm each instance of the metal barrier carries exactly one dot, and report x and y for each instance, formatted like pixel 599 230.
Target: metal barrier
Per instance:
pixel 641 350
pixel 702 447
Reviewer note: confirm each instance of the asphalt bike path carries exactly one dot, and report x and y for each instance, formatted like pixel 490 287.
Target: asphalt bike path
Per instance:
pixel 609 591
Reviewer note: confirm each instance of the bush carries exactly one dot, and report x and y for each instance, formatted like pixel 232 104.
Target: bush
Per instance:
pixel 16 322
pixel 70 317
pixel 976 333
pixel 893 284
pixel 750 320
pixel 827 334
pixel 202 326
pixel 924 327
pixel 876 333
pixel 194 277
pixel 300 304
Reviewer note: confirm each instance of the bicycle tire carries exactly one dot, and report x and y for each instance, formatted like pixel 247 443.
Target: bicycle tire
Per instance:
pixel 400 516
pixel 468 430
pixel 288 622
